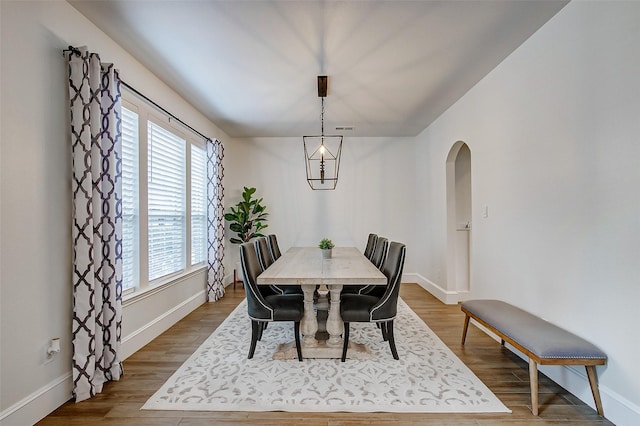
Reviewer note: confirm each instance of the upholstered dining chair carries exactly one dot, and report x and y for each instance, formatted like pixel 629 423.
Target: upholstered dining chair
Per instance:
pixel 377 257
pixel 264 309
pixel 264 254
pixel 380 252
pixel 266 260
pixel 371 245
pixel 379 309
pixel 274 249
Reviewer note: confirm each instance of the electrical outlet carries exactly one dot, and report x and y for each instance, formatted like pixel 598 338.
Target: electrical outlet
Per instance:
pixel 52 349
pixel 48 357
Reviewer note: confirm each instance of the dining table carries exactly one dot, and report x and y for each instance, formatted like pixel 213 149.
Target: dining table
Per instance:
pixel 306 267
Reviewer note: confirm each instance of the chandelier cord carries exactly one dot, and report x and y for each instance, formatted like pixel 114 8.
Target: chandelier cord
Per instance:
pixel 322 118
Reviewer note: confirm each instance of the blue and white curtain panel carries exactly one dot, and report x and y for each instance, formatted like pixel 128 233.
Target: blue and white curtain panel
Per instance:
pixel 215 220
pixel 96 149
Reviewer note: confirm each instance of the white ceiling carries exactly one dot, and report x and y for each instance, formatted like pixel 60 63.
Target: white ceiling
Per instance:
pixel 251 66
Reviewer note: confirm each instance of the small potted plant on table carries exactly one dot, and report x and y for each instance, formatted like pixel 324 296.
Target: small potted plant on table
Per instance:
pixel 326 245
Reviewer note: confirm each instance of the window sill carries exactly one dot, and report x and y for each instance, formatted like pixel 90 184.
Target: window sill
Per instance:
pixel 139 295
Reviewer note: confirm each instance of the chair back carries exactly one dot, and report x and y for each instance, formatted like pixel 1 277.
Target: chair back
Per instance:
pixel 380 252
pixel 371 245
pixel 273 247
pixel 264 256
pixel 256 305
pixel 387 307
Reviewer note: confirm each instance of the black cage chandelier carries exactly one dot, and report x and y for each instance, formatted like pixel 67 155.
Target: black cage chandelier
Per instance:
pixel 322 153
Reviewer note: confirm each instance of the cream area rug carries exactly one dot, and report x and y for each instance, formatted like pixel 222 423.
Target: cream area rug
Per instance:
pixel 428 378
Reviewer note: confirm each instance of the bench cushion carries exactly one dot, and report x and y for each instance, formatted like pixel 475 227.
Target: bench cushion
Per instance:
pixel 537 335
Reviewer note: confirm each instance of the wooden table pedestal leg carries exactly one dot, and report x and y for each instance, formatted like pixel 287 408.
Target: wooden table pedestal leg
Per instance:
pixel 335 326
pixel 309 325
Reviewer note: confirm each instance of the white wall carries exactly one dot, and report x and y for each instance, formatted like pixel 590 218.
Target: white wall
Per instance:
pixel 553 133
pixel 35 269
pixel 375 191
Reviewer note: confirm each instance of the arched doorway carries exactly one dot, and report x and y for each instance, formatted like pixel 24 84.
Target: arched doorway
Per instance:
pixel 458 183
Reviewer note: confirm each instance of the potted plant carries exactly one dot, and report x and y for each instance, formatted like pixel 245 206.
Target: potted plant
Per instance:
pixel 326 245
pixel 246 219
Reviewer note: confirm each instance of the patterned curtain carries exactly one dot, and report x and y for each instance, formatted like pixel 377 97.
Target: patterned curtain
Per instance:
pixel 96 147
pixel 215 220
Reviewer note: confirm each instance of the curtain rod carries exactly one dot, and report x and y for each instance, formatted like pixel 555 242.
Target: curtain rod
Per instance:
pixel 77 51
pixel 162 109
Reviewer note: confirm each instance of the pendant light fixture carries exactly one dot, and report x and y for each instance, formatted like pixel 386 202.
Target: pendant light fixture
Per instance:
pixel 322 153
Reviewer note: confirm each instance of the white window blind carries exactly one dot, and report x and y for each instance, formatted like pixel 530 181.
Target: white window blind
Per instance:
pixel 167 201
pixel 130 213
pixel 198 204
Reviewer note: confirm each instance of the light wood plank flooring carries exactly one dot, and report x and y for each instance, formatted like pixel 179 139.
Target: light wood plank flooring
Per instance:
pixel 503 372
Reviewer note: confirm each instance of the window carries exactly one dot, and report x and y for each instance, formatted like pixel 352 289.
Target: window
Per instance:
pixel 198 205
pixel 166 201
pixel 164 198
pixel 130 222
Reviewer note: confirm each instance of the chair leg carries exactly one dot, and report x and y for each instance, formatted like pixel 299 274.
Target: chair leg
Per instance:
pixel 346 341
pixel 263 325
pixel 465 327
pixel 296 331
pixel 392 342
pixel 383 327
pixel 533 379
pixel 593 382
pixel 255 332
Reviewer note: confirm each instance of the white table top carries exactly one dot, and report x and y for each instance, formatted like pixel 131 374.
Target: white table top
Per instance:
pixel 305 265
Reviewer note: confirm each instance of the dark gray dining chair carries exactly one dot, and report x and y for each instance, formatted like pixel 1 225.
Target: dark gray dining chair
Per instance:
pixel 266 260
pixel 379 309
pixel 377 257
pixel 264 254
pixel 274 249
pixel 380 252
pixel 264 309
pixel 371 245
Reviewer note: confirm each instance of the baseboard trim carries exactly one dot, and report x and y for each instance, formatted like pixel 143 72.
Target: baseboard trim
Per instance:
pixel 228 280
pixel 39 404
pixel 45 400
pixel 446 297
pixel 142 336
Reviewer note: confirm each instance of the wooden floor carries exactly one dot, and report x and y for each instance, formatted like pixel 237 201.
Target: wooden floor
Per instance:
pixel 504 373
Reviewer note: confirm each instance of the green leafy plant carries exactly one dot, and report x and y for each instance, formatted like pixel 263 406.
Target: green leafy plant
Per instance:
pixel 247 217
pixel 326 244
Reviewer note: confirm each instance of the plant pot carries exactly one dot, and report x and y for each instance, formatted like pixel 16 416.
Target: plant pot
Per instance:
pixel 326 253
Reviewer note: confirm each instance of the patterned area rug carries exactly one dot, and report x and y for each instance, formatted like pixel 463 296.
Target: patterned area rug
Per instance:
pixel 428 378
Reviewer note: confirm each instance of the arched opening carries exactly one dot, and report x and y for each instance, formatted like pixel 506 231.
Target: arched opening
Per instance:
pixel 458 183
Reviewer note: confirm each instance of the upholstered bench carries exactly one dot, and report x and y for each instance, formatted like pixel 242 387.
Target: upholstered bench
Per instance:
pixel 543 342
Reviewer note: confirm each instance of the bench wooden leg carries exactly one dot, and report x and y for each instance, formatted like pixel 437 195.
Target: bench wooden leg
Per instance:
pixel 464 329
pixel 593 381
pixel 533 378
